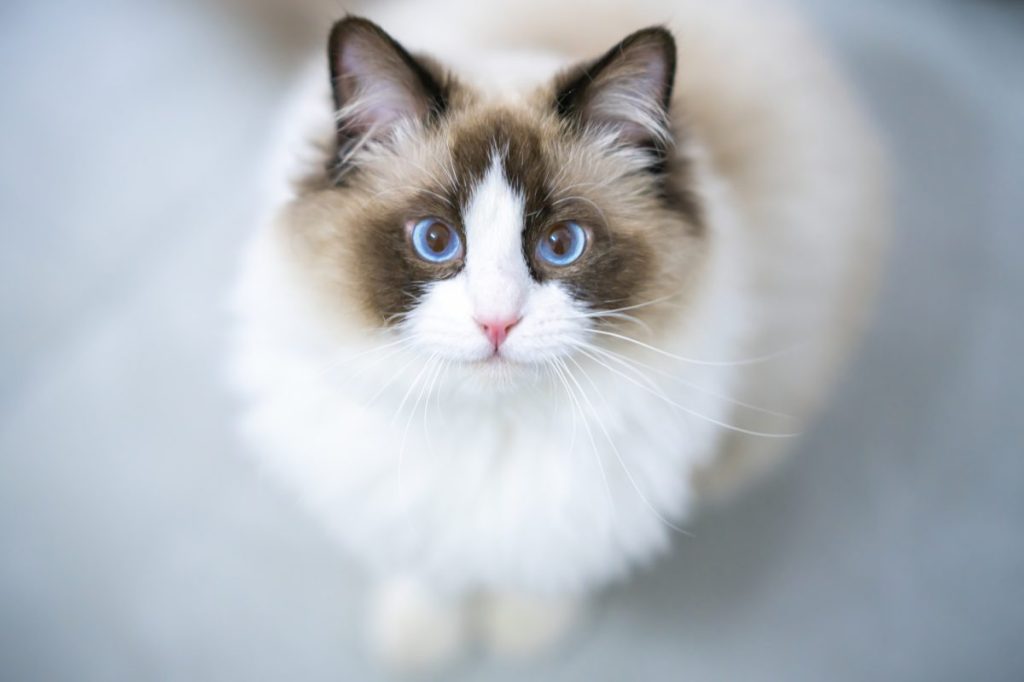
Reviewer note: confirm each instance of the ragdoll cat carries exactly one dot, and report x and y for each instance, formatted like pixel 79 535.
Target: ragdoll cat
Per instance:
pixel 517 308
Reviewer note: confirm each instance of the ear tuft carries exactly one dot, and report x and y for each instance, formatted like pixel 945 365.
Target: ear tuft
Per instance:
pixel 376 83
pixel 627 90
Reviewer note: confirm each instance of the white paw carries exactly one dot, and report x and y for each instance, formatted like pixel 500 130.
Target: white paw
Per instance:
pixel 514 626
pixel 413 630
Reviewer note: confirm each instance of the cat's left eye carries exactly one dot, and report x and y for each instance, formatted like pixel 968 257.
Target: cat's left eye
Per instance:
pixel 435 241
pixel 562 244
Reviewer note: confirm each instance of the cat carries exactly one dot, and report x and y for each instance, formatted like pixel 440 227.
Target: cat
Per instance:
pixel 535 280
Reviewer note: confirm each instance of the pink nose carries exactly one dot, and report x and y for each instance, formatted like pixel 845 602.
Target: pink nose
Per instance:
pixel 497 330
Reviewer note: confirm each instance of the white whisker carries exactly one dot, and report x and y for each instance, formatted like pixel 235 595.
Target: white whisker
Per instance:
pixel 645 304
pixel 725 425
pixel 632 364
pixel 441 364
pixel 589 349
pixel 706 363
pixel 349 359
pixel 408 422
pixel 412 385
pixel 390 381
pixel 560 369
pixel 615 449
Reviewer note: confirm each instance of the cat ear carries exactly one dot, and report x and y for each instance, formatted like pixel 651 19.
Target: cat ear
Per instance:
pixel 627 91
pixel 376 83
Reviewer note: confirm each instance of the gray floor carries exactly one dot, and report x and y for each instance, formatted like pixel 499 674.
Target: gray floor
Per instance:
pixel 137 545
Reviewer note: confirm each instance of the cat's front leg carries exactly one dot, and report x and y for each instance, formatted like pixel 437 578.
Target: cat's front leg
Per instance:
pixel 414 629
pixel 522 626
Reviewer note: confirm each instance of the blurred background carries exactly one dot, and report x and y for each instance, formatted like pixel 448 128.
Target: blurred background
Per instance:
pixel 136 543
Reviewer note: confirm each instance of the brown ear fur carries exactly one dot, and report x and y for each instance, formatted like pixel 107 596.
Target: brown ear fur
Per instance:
pixel 377 84
pixel 627 90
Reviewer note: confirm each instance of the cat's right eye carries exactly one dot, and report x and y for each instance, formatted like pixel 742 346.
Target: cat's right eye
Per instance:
pixel 434 241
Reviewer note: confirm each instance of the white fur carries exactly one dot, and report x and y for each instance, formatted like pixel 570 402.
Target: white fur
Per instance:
pixel 425 473
pixel 497 276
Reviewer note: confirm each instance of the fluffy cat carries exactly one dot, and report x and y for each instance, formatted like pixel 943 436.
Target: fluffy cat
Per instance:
pixel 538 285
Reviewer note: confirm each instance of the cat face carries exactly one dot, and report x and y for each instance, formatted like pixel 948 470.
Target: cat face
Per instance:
pixel 501 233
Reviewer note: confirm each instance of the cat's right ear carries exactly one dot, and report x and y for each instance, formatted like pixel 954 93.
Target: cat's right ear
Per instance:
pixel 376 83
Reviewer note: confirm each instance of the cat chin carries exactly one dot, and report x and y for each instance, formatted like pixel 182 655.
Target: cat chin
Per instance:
pixel 498 374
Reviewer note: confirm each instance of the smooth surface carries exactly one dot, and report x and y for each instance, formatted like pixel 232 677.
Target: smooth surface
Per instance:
pixel 138 544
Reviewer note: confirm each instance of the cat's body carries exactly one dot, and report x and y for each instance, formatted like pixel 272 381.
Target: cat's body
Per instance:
pixel 750 247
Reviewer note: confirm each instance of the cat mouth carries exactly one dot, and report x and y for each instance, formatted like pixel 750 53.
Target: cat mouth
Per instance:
pixel 496 358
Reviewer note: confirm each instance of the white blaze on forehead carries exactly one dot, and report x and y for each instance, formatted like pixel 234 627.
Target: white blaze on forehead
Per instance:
pixel 496 272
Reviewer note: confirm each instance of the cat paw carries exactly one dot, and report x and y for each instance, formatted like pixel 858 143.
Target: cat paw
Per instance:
pixel 413 630
pixel 514 626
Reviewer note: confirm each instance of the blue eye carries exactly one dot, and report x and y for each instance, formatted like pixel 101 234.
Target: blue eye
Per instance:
pixel 435 242
pixel 562 244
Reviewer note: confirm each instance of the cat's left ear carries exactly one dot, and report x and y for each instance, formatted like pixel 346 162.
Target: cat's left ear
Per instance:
pixel 627 91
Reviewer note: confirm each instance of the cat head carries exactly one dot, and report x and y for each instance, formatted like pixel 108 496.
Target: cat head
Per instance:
pixel 501 232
